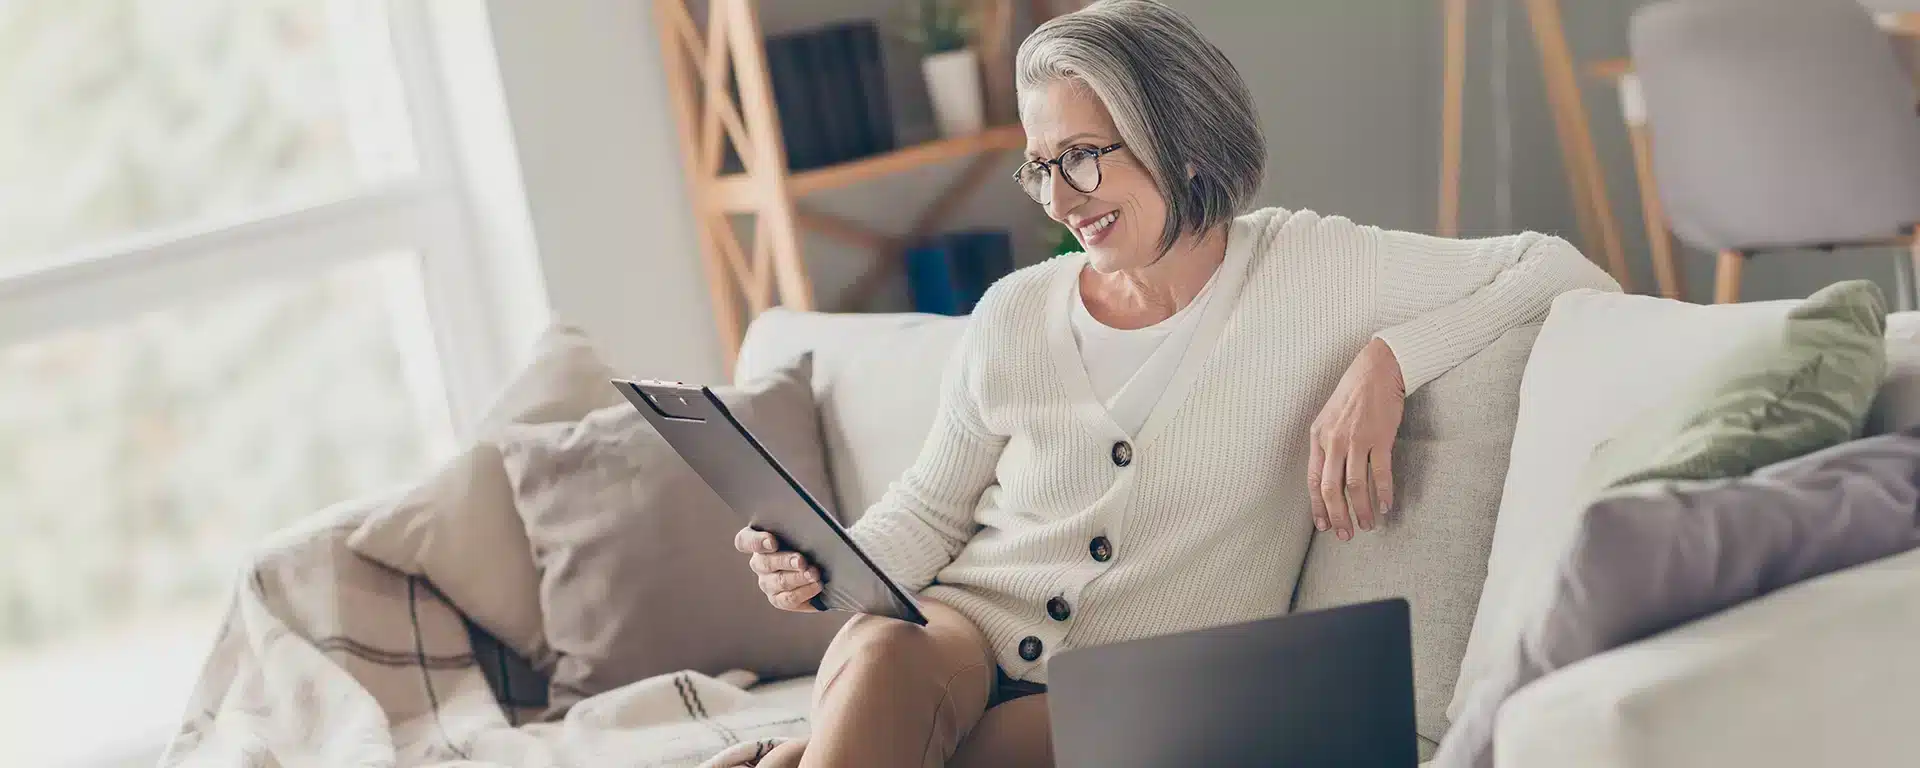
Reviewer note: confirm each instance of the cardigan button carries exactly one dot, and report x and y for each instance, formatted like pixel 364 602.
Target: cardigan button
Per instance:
pixel 1030 648
pixel 1101 549
pixel 1122 453
pixel 1058 609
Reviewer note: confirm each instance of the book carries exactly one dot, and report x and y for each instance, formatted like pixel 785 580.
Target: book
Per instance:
pixel 987 256
pixel 948 274
pixel 833 81
pixel 789 69
pixel 933 284
pixel 877 111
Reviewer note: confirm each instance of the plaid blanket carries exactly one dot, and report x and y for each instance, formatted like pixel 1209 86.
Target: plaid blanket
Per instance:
pixel 328 659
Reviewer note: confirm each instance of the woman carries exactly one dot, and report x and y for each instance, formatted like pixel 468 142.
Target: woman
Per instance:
pixel 1140 439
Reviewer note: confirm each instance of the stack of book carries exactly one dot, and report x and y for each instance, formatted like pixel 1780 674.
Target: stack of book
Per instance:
pixel 948 274
pixel 830 89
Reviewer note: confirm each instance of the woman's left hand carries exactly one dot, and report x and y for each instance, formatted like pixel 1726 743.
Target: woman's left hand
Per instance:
pixel 1353 443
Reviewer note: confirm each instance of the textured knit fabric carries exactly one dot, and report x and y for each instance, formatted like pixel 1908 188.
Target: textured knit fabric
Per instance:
pixel 1130 369
pixel 1208 520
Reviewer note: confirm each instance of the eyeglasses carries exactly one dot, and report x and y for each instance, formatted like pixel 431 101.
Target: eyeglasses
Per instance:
pixel 1080 166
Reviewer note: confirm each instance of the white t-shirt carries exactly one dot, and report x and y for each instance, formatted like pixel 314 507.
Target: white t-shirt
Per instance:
pixel 1130 369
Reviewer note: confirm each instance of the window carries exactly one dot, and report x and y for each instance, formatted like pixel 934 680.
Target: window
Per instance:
pixel 236 284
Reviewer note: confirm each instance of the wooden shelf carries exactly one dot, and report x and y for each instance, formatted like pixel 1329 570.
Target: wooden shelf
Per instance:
pixel 722 97
pixel 739 192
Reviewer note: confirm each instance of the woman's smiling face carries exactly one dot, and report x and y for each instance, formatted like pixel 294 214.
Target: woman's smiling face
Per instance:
pixel 1120 221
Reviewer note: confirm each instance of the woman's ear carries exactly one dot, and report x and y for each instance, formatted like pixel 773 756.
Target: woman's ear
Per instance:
pixel 1191 173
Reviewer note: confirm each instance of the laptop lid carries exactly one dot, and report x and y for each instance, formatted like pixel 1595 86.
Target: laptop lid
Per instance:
pixel 1331 687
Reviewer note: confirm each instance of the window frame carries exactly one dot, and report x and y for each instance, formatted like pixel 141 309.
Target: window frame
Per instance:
pixel 430 214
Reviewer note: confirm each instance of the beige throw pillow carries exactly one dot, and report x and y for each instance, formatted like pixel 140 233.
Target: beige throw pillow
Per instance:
pixel 638 575
pixel 459 529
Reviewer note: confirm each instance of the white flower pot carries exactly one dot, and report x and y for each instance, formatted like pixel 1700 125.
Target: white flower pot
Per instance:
pixel 953 84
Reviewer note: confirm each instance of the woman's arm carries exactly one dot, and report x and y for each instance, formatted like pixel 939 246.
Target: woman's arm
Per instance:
pixel 926 516
pixel 1441 300
pixel 1437 302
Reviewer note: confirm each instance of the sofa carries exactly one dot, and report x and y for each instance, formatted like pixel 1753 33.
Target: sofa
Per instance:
pixel 1825 672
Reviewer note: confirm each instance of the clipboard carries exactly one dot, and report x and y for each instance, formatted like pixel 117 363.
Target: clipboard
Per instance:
pixel 764 494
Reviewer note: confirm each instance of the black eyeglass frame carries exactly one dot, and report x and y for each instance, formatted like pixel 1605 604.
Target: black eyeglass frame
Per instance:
pixel 1057 163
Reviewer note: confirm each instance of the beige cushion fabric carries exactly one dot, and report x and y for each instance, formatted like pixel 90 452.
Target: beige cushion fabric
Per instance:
pixel 459 528
pixel 1448 462
pixel 638 575
pixel 877 378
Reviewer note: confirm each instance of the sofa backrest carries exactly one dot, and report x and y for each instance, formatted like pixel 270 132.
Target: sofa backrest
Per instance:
pixel 1449 463
pixel 877 379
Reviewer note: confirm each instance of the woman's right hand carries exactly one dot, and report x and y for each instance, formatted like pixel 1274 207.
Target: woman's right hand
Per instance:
pixel 789 581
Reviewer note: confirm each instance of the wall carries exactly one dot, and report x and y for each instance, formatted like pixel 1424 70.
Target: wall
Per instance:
pixel 1343 99
pixel 1348 91
pixel 598 156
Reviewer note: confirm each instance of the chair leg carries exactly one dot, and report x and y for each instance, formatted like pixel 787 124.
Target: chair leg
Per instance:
pixel 1903 280
pixel 1912 297
pixel 1726 277
pixel 1653 213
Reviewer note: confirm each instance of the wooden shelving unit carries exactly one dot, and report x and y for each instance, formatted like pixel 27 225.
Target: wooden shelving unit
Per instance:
pixel 704 64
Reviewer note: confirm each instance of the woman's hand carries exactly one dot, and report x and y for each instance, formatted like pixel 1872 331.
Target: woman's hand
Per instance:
pixel 789 581
pixel 1353 443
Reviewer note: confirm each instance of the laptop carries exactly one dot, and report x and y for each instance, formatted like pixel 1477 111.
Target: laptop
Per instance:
pixel 1330 687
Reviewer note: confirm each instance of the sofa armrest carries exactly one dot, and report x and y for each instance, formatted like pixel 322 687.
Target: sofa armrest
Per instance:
pixel 1823 673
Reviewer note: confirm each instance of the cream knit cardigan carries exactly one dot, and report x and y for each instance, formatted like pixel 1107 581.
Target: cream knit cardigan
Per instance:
pixel 1208 523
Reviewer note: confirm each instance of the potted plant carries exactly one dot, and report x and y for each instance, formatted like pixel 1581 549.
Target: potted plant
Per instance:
pixel 944 31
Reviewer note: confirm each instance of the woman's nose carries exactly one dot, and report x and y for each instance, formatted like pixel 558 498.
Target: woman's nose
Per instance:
pixel 1062 197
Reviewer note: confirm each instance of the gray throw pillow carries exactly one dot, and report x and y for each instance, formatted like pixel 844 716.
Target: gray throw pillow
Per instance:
pixel 1657 555
pixel 638 576
pixel 1449 463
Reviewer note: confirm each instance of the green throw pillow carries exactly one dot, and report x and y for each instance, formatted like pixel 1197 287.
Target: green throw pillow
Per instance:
pixel 1774 397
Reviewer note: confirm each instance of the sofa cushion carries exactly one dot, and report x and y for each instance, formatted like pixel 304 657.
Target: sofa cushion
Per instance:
pixel 1898 405
pixel 877 378
pixel 1449 460
pixel 1658 554
pixel 1600 358
pixel 1819 674
pixel 459 528
pixel 638 576
pixel 1770 399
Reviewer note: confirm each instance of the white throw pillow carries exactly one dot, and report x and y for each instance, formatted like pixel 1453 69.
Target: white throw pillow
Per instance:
pixel 1898 405
pixel 1600 359
pixel 459 529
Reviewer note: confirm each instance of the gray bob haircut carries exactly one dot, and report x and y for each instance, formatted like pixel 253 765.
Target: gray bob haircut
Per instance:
pixel 1180 106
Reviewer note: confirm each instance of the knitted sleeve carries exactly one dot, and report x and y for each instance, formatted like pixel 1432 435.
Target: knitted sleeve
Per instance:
pixel 925 517
pixel 1440 300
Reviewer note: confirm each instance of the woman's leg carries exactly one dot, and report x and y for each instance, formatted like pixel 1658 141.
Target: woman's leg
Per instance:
pixel 786 755
pixel 1016 734
pixel 894 694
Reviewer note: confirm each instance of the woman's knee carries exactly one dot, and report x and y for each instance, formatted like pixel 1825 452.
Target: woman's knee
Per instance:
pixel 948 650
pixel 876 641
